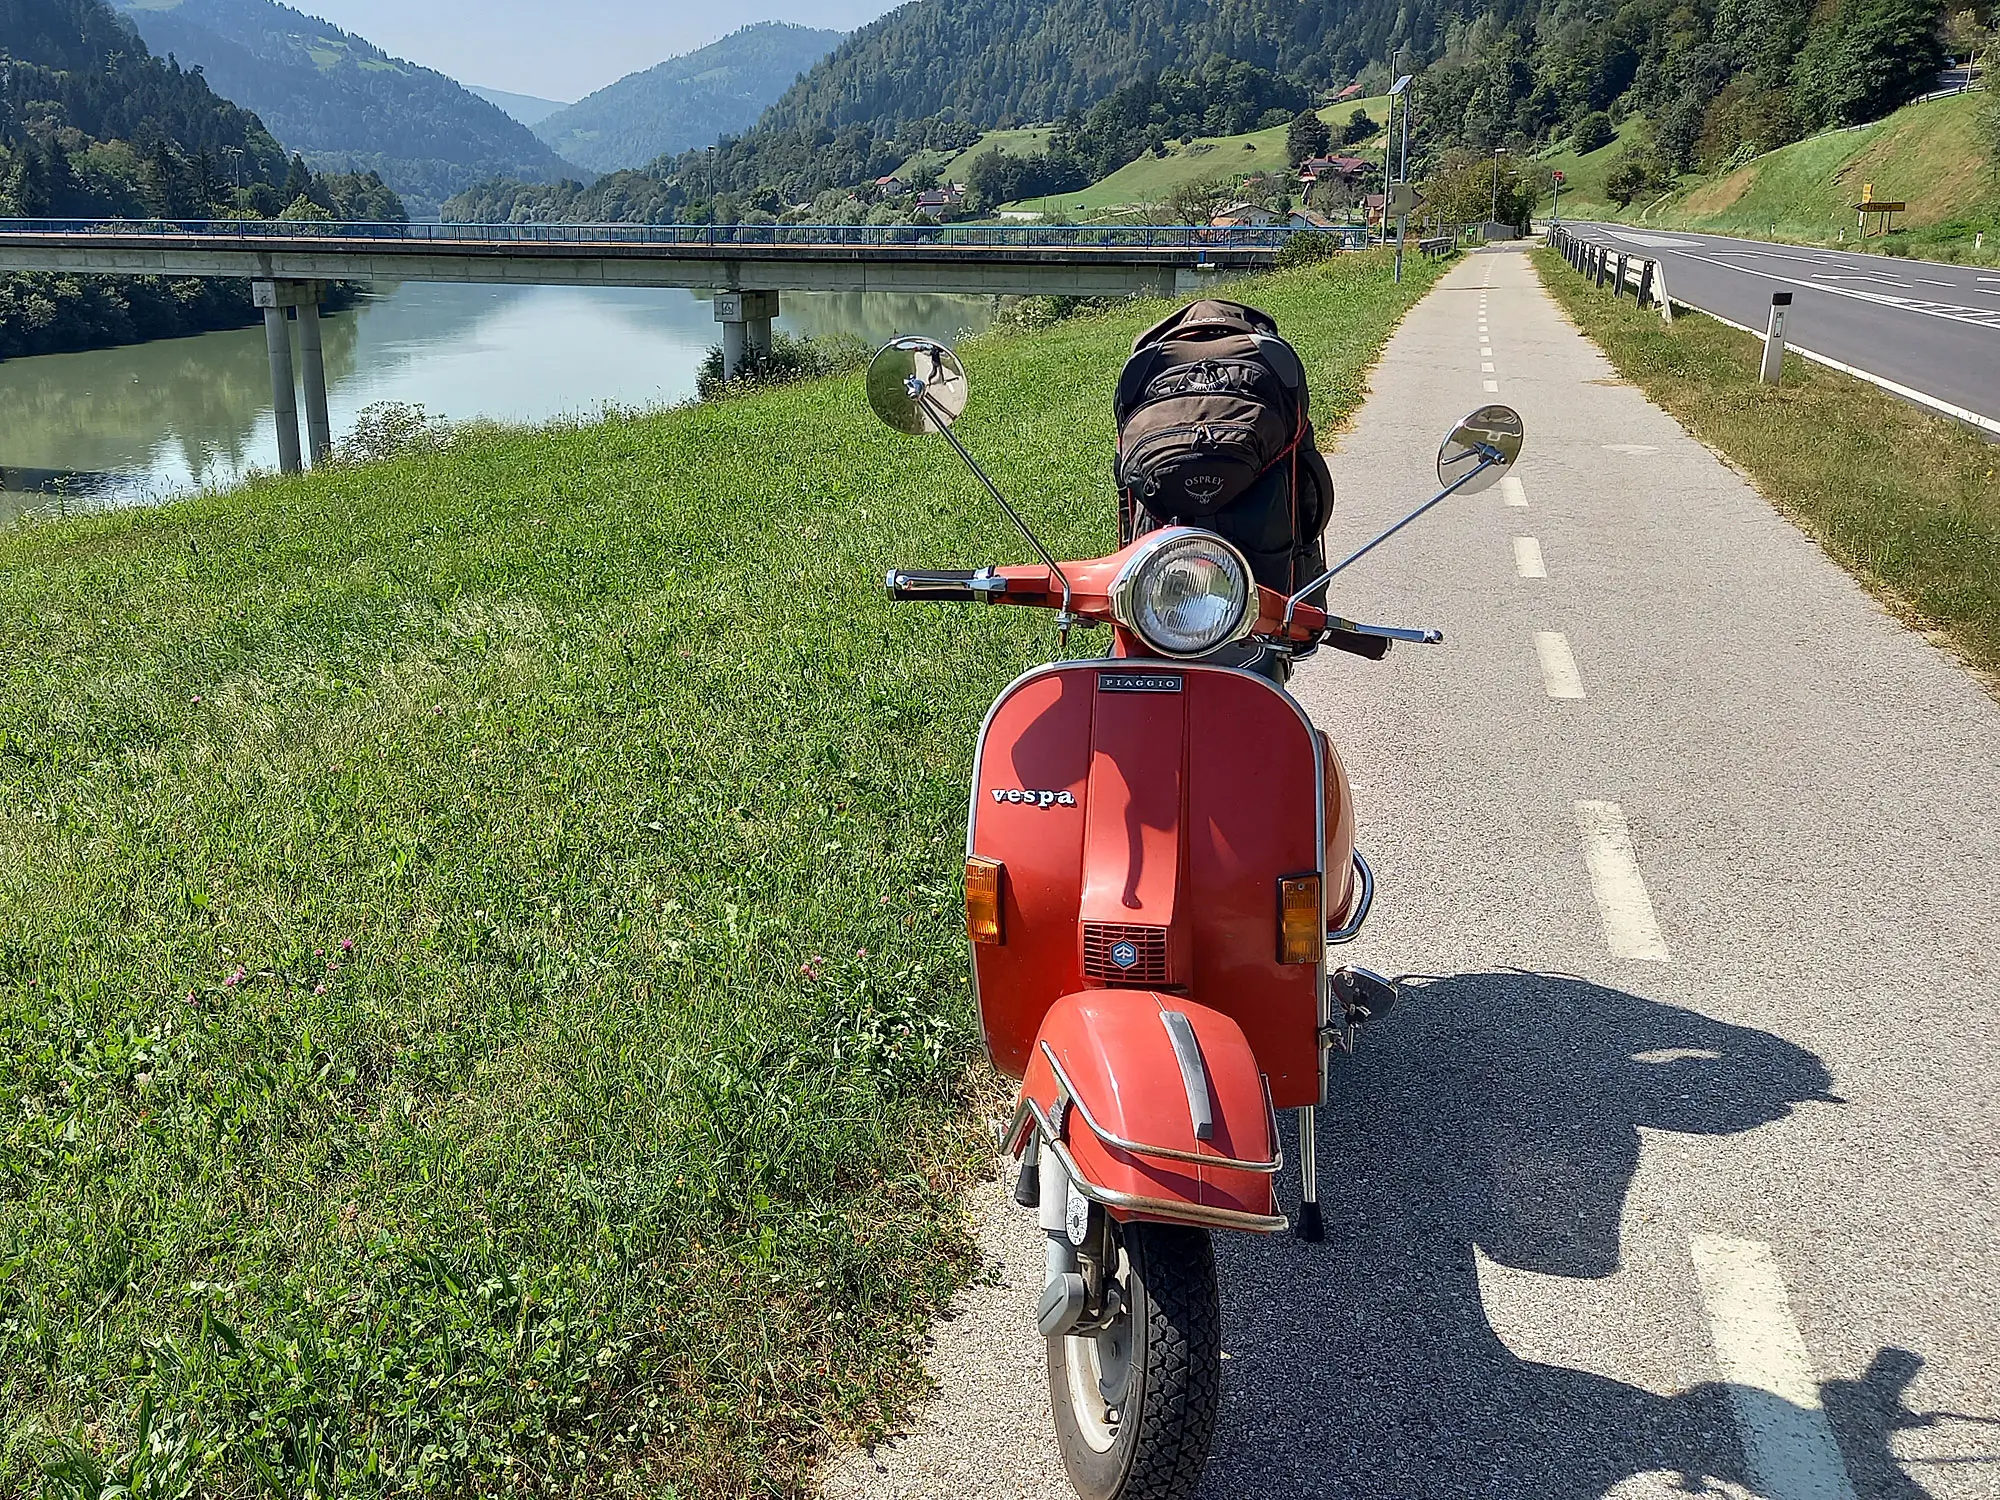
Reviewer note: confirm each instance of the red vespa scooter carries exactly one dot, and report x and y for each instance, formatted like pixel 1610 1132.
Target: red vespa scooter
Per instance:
pixel 1160 850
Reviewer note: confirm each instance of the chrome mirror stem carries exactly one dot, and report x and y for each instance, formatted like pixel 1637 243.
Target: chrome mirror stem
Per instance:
pixel 943 419
pixel 1488 457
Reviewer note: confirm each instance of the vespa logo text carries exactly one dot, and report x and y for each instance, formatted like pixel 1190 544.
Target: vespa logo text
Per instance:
pixel 1034 799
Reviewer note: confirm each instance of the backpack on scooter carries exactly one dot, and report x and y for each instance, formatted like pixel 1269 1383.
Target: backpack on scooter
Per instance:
pixel 1214 430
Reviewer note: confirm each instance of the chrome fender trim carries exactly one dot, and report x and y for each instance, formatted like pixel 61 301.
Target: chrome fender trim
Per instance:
pixel 1177 1211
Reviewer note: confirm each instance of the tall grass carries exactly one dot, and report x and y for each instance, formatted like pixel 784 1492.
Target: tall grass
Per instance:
pixel 481 1000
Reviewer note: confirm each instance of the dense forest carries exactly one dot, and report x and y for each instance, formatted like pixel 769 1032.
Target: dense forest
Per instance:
pixel 92 125
pixel 687 101
pixel 343 102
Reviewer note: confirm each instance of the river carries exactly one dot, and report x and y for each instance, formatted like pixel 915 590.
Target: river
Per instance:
pixel 149 421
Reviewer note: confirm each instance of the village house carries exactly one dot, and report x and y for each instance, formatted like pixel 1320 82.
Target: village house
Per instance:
pixel 1242 216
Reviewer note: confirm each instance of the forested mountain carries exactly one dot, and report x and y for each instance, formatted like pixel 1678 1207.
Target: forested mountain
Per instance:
pixel 91 125
pixel 686 101
pixel 343 102
pixel 1714 79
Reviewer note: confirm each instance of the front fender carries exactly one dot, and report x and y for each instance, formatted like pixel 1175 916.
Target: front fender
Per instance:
pixel 1104 1076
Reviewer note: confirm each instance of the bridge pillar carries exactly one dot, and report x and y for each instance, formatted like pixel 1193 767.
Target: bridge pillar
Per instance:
pixel 276 297
pixel 312 365
pixel 746 328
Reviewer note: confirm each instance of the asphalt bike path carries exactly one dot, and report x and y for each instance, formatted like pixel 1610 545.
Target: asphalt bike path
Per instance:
pixel 1926 329
pixel 1674 1170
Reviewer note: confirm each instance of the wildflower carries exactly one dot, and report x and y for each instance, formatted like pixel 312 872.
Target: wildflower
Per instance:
pixel 347 945
pixel 197 700
pixel 319 989
pixel 234 979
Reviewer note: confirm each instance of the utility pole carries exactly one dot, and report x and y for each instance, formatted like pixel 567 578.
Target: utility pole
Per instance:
pixel 1494 214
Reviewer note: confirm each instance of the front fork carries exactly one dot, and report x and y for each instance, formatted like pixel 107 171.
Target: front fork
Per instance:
pixel 1078 1292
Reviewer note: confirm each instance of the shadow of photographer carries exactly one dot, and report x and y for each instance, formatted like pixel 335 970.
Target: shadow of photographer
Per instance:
pixel 1499 1111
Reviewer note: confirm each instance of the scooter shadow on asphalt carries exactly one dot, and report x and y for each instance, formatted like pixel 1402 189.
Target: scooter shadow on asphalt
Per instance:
pixel 1498 1110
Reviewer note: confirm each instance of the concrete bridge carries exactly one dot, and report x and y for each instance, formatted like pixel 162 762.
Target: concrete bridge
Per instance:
pixel 745 265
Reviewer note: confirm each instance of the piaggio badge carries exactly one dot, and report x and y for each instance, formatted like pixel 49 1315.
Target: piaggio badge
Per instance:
pixel 1138 682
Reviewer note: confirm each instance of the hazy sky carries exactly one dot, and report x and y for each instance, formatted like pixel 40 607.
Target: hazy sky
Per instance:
pixel 562 49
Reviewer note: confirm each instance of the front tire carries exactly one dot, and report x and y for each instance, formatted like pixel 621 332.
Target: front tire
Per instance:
pixel 1135 1402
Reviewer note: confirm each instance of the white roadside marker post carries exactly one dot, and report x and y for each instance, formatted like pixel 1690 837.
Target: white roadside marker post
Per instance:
pixel 1774 339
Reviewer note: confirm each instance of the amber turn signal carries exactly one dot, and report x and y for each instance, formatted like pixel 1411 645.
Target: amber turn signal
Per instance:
pixel 982 899
pixel 1301 935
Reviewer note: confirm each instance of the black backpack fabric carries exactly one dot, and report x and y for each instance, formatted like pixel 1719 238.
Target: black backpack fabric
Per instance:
pixel 1215 430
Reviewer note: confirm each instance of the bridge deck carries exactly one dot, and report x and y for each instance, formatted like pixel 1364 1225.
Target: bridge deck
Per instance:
pixel 1092 260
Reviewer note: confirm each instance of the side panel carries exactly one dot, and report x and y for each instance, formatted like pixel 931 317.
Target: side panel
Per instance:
pixel 1037 739
pixel 1254 791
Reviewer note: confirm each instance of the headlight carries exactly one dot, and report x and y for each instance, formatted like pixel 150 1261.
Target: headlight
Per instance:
pixel 1184 593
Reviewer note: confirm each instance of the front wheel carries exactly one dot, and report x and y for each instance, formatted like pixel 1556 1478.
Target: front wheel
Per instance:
pixel 1135 1400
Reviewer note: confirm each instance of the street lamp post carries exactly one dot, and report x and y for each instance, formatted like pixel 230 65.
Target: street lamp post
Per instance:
pixel 1494 214
pixel 1397 91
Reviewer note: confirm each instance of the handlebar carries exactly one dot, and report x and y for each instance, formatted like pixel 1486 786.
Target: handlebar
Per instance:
pixel 944 585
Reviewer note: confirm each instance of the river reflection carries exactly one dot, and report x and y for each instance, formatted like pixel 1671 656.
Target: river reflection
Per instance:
pixel 133 425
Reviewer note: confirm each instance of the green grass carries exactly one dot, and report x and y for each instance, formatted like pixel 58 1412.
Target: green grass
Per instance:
pixel 1906 501
pixel 482 1007
pixel 1028 140
pixel 1583 195
pixel 1151 178
pixel 1926 155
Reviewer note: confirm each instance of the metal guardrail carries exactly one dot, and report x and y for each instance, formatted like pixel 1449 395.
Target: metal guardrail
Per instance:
pixel 697 236
pixel 1644 277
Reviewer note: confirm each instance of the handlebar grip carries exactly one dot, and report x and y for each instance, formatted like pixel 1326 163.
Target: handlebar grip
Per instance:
pixel 947 585
pixel 1374 647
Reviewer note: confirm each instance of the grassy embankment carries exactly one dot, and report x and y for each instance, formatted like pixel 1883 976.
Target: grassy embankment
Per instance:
pixel 1151 178
pixel 481 1000
pixel 1926 155
pixel 1906 501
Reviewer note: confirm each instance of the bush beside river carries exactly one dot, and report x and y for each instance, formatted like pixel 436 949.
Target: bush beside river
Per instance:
pixel 482 1005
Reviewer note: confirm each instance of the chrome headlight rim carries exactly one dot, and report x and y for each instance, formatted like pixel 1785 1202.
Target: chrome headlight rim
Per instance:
pixel 1125 587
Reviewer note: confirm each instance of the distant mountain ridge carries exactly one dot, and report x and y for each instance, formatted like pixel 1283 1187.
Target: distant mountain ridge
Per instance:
pixel 343 102
pixel 686 101
pixel 526 108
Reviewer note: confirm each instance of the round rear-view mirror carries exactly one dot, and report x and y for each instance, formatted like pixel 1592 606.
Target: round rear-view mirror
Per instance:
pixel 1491 435
pixel 917 385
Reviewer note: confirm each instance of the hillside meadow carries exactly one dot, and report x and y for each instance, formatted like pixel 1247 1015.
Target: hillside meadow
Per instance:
pixel 1927 155
pixel 1150 179
pixel 482 1000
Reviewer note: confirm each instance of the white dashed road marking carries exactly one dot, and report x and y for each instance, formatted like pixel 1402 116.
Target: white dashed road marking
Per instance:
pixel 1787 1443
pixel 1528 558
pixel 1487 366
pixel 1492 387
pixel 1511 491
pixel 1632 448
pixel 1630 929
pixel 1559 673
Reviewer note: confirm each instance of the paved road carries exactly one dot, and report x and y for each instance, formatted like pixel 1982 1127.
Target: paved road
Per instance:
pixel 1932 328
pixel 1680 1176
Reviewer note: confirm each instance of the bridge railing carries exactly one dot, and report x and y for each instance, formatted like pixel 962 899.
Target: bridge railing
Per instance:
pixel 720 236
